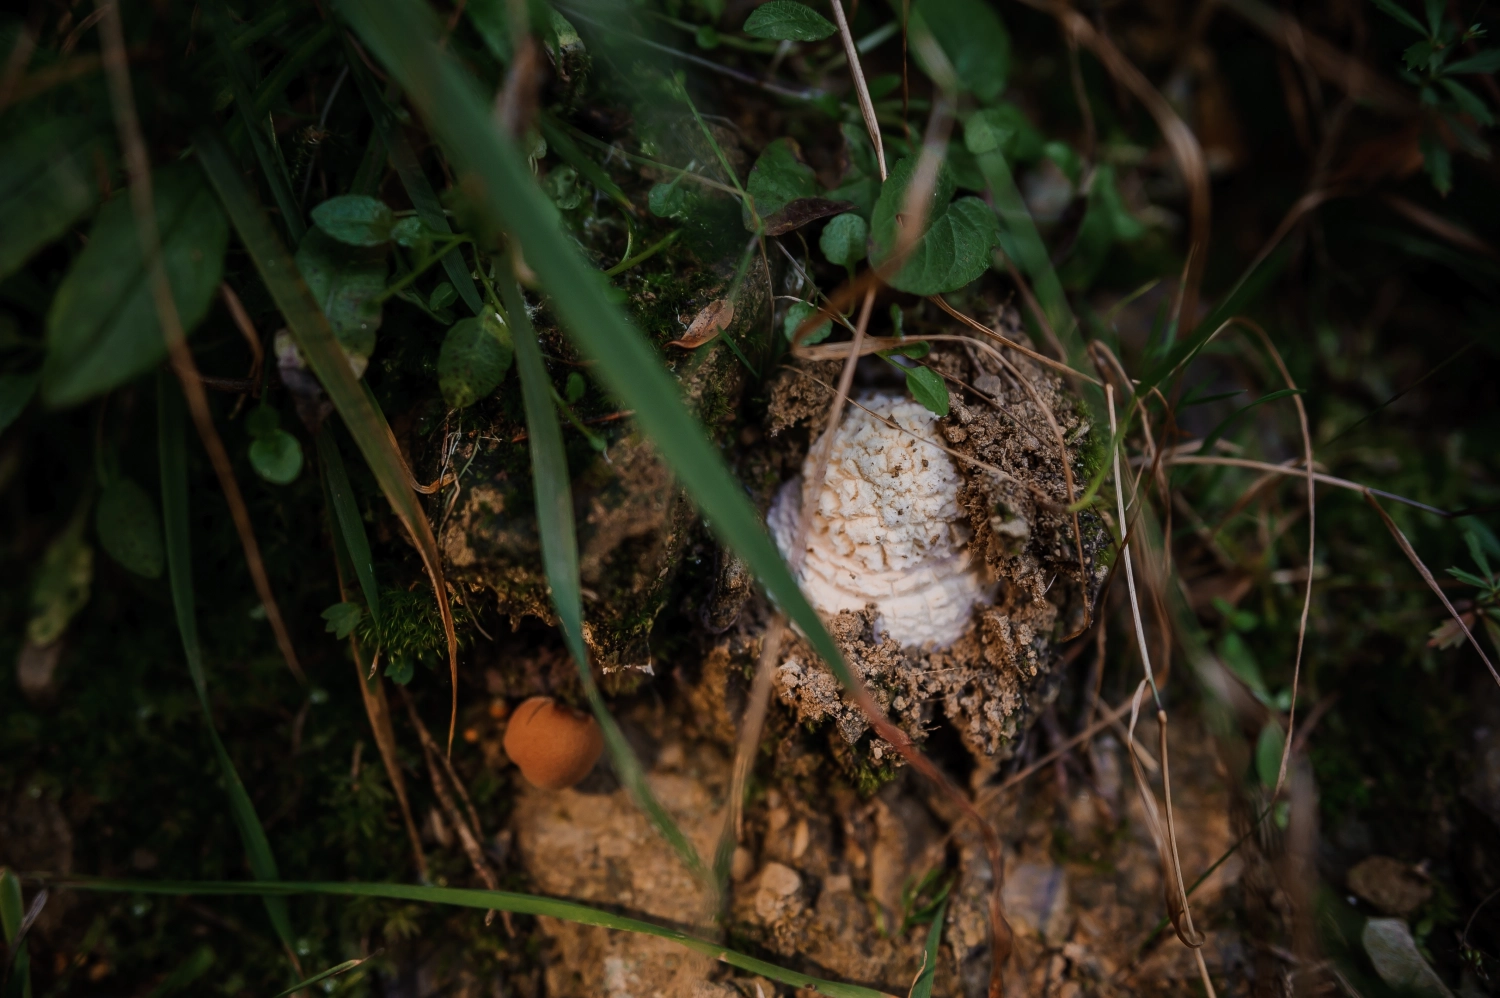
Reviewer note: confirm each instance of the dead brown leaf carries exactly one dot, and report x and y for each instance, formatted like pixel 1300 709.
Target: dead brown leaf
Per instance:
pixel 714 319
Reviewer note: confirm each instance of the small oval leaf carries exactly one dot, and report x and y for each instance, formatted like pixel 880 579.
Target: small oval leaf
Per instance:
pixel 476 354
pixel 926 386
pixel 785 20
pixel 129 528
pixel 276 456
pixel 843 240
pixel 796 316
pixel 355 219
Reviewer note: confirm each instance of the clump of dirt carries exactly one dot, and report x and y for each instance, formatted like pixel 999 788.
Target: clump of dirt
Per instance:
pixel 993 681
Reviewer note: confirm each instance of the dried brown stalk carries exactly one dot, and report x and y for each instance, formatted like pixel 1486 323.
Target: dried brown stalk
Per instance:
pixel 142 202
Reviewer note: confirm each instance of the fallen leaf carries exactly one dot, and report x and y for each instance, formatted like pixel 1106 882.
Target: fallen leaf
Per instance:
pixel 714 319
pixel 801 211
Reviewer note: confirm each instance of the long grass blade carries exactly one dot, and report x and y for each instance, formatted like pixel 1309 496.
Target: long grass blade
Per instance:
pixel 316 340
pixel 176 515
pixel 554 514
pixel 521 904
pixel 351 525
pixel 423 198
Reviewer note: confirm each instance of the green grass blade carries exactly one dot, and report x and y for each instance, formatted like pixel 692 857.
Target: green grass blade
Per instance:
pixel 1223 427
pixel 309 326
pixel 922 986
pixel 560 141
pixel 335 971
pixel 414 179
pixel 522 904
pixel 351 525
pixel 404 36
pixel 271 163
pixel 1027 246
pixel 554 514
pixel 172 450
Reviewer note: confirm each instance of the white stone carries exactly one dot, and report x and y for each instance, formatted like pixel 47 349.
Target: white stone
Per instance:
pixel 886 527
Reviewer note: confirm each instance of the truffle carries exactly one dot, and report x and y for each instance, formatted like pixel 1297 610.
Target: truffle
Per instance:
pixel 886 527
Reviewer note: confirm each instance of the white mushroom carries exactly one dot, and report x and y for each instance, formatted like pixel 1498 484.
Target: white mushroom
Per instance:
pixel 886 527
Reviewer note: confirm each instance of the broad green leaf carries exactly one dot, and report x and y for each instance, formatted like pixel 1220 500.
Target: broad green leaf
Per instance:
pixel 177 514
pixel 129 528
pixel 62 583
pixel 843 239
pixel 16 391
pixel 1268 753
pixel 785 20
pixel 1236 654
pixel 356 219
pixel 554 513
pixel 521 904
pixel 366 424
pixel 974 39
pixel 927 387
pixel 1400 13
pixel 411 233
pixel 796 315
pixel 44 187
pixel 102 329
pixel 342 618
pixel 476 354
pixel 1487 61
pixel 350 523
pixel 277 457
pixel 346 281
pixel 404 35
pixel 952 251
pixel 1006 129
pixel 778 178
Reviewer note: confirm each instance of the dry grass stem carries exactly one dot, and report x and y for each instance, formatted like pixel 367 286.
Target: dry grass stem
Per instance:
pixel 1010 344
pixel 866 106
pixel 1411 555
pixel 1312 542
pixel 142 203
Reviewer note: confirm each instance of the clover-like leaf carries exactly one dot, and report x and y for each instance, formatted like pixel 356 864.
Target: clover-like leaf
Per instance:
pixel 277 457
pixel 954 248
pixel 355 219
pixel 342 618
pixel 843 240
pixel 347 282
pixel 785 20
pixel 129 528
pixel 476 354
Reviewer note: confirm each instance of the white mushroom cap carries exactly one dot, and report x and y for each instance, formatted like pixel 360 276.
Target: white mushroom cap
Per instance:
pixel 886 528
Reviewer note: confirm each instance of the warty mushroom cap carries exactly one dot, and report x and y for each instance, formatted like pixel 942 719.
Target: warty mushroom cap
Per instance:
pixel 886 527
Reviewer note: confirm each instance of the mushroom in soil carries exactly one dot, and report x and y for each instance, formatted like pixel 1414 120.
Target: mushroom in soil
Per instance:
pixel 886 527
pixel 554 746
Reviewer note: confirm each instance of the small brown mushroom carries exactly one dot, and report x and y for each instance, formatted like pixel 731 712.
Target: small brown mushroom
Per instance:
pixel 554 746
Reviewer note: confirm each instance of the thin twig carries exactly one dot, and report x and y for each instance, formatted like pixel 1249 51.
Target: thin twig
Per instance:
pixel 1011 344
pixel 142 202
